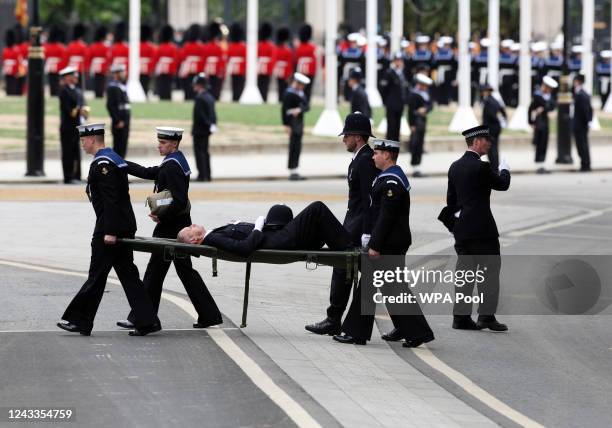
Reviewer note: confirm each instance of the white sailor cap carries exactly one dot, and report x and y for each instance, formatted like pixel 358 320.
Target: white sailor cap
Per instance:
pixel 423 38
pixel 381 41
pixel 404 43
pixel 362 40
pixel 606 54
pixel 578 49
pixel 446 40
pixel 515 47
pixel 353 37
pixel 422 78
pixel 91 129
pixel 117 68
pixel 397 55
pixel 485 42
pixel 539 46
pixel 507 43
pixel 471 45
pixel 169 133
pixel 550 82
pixel 388 145
pixel 556 45
pixel 67 70
pixel 299 77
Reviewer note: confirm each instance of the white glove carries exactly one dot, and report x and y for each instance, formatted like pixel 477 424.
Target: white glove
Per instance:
pixel 259 223
pixel 365 240
pixel 213 128
pixel 504 165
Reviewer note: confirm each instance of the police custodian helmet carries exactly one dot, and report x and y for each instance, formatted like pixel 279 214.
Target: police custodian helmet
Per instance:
pixel 357 124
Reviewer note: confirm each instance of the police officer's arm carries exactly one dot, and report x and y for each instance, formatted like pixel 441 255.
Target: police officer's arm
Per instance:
pixel 112 103
pixel 106 175
pixel 175 182
pixel 241 247
pixel 137 170
pixel 495 181
pixel 390 204
pixel 366 172
pixel 451 194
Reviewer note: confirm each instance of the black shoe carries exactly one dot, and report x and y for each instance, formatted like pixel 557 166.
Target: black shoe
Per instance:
pixel 143 331
pixel 414 343
pixel 418 174
pixel 465 323
pixel 393 336
pixel 542 171
pixel 345 338
pixel 296 177
pixel 327 326
pixel 125 324
pixel 202 325
pixel 491 323
pixel 585 169
pixel 73 328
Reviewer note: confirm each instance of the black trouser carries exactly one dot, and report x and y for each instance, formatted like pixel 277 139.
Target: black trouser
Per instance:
pixel 340 289
pixel 83 307
pixel 54 86
pixel 295 146
pixel 145 81
pixel 394 122
pixel 581 135
pixel 480 254
pixel 494 150
pixel 164 86
pixel 188 87
pixel 237 86
pixel 202 157
pixel 216 83
pixel 21 82
pixel 11 85
pixel 263 83
pixel 444 93
pixel 99 85
pixel 282 87
pixel 71 155
pixel 120 138
pixel 417 140
pixel 540 141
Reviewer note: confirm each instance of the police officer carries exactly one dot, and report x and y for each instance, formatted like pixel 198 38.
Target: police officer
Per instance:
pixel 419 105
pixel 390 210
pixel 358 96
pixel 204 124
pixel 294 106
pixel 494 117
pixel 118 106
pixel 583 115
pixel 393 90
pixel 470 182
pixel 361 174
pixel 173 175
pixel 73 112
pixel 542 103
pixel 107 188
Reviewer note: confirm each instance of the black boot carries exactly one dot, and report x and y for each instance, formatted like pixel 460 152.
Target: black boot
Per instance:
pixel 328 326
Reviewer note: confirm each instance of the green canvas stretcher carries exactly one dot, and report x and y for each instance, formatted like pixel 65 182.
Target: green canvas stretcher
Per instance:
pixel 172 250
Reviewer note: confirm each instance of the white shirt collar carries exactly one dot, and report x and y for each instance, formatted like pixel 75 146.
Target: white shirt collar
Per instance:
pixel 474 151
pixel 357 152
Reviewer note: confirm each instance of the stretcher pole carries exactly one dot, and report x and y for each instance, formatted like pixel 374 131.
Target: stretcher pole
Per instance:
pixel 245 301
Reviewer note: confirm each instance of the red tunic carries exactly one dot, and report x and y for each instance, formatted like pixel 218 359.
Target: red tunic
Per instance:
pixel 266 54
pixel 283 67
pixel 11 58
pixel 236 58
pixel 76 54
pixel 98 59
pixel 120 54
pixel 306 59
pixel 214 60
pixel 55 57
pixel 192 58
pixel 166 59
pixel 147 58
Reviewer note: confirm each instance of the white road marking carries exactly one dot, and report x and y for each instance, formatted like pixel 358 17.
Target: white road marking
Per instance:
pixel 260 378
pixel 573 236
pixel 554 224
pixel 474 390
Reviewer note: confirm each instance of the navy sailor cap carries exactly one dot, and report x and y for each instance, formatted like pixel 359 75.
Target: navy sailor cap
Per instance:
pixel 169 133
pixel 388 145
pixel 91 129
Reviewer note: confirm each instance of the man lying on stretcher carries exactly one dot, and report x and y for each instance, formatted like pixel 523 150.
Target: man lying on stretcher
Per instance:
pixel 311 229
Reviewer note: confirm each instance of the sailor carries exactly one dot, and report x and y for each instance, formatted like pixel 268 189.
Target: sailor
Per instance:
pixel 393 88
pixel 508 63
pixel 358 96
pixel 419 106
pixel 73 112
pixel 204 124
pixel 602 70
pixel 542 103
pixel 294 106
pixel 446 70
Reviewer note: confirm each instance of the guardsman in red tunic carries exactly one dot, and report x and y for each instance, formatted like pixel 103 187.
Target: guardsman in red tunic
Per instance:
pixel 55 58
pixel 214 59
pixel 120 51
pixel 306 57
pixel 10 63
pixel 147 57
pixel 236 60
pixel 98 61
pixel 77 52
pixel 166 62
pixel 23 45
pixel 191 54
pixel 285 58
pixel 265 59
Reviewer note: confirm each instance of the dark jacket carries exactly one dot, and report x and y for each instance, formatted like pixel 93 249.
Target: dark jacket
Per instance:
pixel 71 100
pixel 470 182
pixel 416 100
pixel 491 109
pixel 294 99
pixel 583 112
pixel 107 187
pixel 359 101
pixel 393 90
pixel 117 102
pixel 540 120
pixel 238 238
pixel 204 114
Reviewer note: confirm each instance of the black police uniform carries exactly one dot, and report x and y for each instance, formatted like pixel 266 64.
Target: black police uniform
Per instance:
pixel 470 182
pixel 294 99
pixel 173 175
pixel 204 116
pixel 359 101
pixel 417 100
pixel 393 90
pixel 118 106
pixel 583 114
pixel 491 110
pixel 71 100
pixel 107 187
pixel 539 120
pixel 391 235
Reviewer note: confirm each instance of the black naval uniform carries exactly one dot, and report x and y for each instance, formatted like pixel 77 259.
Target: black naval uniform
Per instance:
pixel 118 106
pixel 391 235
pixel 359 101
pixel 539 120
pixel 470 182
pixel 71 100
pixel 204 116
pixel 173 175
pixel 393 90
pixel 417 100
pixel 446 73
pixel 107 187
pixel 294 99
pixel 491 109
pixel 583 114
